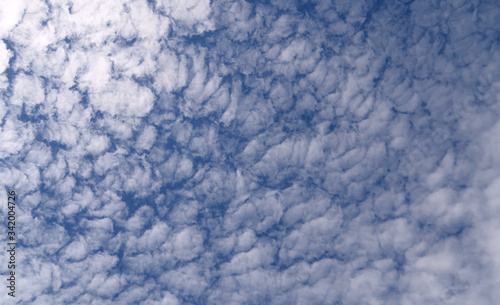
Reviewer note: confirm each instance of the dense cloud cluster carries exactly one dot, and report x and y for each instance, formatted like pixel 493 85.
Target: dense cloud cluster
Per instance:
pixel 252 152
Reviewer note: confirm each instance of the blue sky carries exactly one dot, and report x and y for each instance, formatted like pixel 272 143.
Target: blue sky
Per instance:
pixel 252 152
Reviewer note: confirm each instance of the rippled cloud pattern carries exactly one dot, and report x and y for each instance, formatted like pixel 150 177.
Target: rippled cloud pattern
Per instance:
pixel 252 152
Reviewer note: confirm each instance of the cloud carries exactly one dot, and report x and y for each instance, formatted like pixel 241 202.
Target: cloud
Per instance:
pixel 211 152
pixel 11 15
pixel 192 12
pixel 124 98
pixel 147 138
pixel 5 55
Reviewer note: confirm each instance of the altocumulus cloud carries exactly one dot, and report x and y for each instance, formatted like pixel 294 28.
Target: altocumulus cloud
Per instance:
pixel 252 152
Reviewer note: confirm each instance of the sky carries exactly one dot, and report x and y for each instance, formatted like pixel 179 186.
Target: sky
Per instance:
pixel 251 152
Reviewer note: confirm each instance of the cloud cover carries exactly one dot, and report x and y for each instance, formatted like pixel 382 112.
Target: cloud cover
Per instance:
pixel 233 152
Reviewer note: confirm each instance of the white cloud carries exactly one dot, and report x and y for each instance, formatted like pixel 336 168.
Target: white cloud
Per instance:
pixel 97 144
pixel 123 98
pixel 187 244
pixel 14 135
pixel 189 280
pixel 246 241
pixel 260 256
pixel 172 72
pixel 141 217
pixel 147 138
pixel 151 239
pixel 5 56
pixel 11 15
pixel 189 152
pixel 98 73
pixel 104 285
pixel 77 250
pixel 191 12
pixel 28 91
